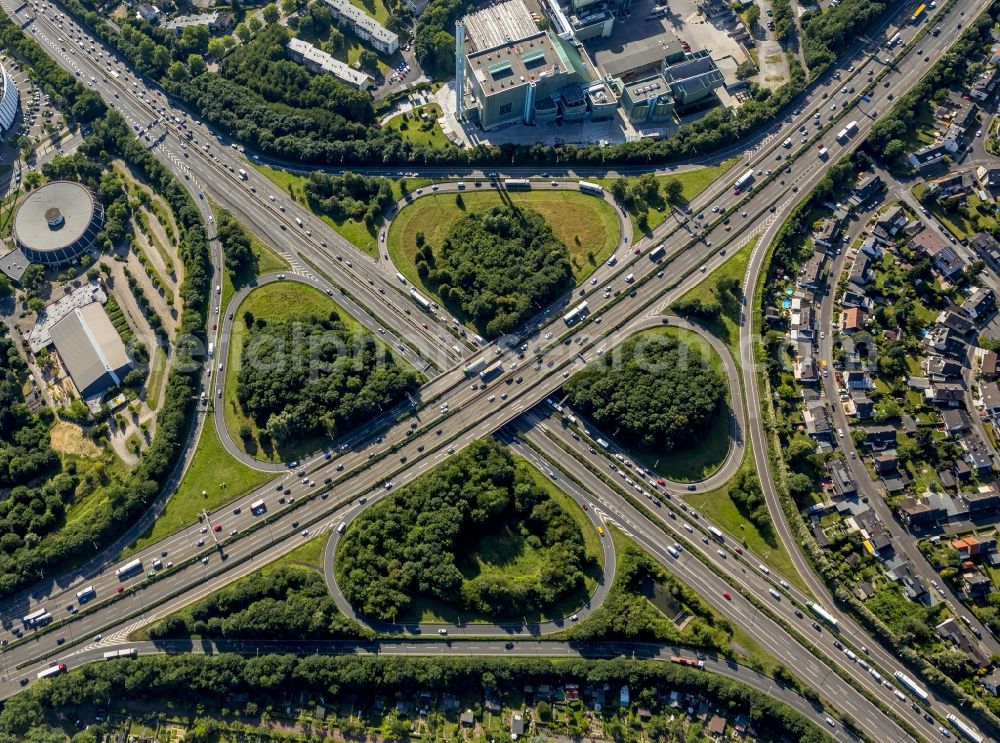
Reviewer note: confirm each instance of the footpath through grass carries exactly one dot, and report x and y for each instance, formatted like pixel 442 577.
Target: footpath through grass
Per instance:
pixel 277 301
pixel 357 233
pixel 212 479
pixel 588 226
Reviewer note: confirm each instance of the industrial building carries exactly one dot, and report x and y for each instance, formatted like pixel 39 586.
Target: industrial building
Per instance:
pixel 655 98
pixel 91 350
pixel 57 222
pixel 319 61
pixel 508 71
pixel 364 26
pixel 9 100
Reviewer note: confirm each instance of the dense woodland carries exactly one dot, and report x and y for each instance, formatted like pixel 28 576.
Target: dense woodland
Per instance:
pixel 313 375
pixel 286 603
pixel 411 543
pixel 349 196
pixel 654 394
pixel 498 266
pixel 209 679
pixel 237 246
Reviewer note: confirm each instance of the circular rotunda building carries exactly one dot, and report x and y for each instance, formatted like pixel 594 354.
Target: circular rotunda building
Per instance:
pixel 57 223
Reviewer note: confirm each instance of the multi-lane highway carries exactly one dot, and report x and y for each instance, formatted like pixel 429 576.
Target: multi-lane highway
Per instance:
pixel 433 430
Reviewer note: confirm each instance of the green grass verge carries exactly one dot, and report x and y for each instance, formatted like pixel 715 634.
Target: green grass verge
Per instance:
pixel 507 553
pixel 355 232
pixel 588 226
pixel 727 327
pixel 720 509
pixel 212 479
pixel 693 182
pixel 154 382
pixel 276 302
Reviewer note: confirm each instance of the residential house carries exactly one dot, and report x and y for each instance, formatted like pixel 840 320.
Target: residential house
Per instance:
pixel 984 85
pixel 956 319
pixel 885 461
pixel 951 631
pixel 975 584
pixel 860 405
pixel 927 156
pixel 890 222
pixel 971 546
pixel 981 503
pixel 919 514
pixel 981 304
pixel 947 394
pixel 878 438
pixel 856 299
pixel 987 248
pixel 935 247
pixel 852 320
pixel 858 380
pixel 819 422
pixel 805 370
pixel 988 177
pixel 148 13
pixel 224 22
pixel 913 586
pixel 939 368
pixel 828 233
pixel 867 186
pixel 956 421
pixel 946 341
pixel 861 273
pixel 978 457
pixel 811 274
pixel 467 719
pixel 988 366
pixel 951 186
pixel 844 485
pixel 991 398
pixel 800 325
pixel 991 682
pixel 870 247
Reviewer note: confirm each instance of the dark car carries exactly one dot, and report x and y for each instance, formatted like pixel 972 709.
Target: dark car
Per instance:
pixel 281 499
pixel 295 524
pixel 327 481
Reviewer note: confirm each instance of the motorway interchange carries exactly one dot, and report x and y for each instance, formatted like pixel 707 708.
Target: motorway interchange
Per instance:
pixel 424 433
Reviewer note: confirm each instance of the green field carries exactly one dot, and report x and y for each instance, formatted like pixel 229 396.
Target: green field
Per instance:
pixel 507 553
pixel 356 233
pixel 726 328
pixel 417 131
pixel 213 478
pixel 588 226
pixel 693 181
pixel 276 301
